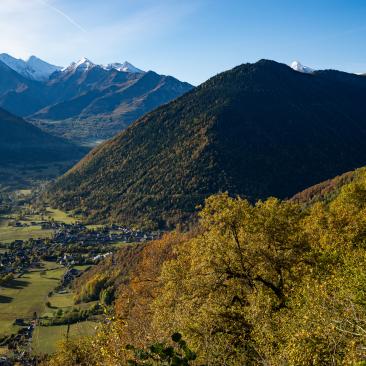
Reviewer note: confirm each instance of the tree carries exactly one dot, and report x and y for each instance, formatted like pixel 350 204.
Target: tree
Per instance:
pixel 236 275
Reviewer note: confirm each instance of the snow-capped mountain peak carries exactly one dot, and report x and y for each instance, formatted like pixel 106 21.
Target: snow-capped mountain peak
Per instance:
pixel 298 66
pixel 42 70
pixel 34 68
pixel 125 67
pixel 83 64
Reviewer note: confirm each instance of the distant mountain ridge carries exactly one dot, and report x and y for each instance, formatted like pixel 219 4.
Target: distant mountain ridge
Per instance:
pixel 85 102
pixel 84 64
pixel 257 130
pixel 36 69
pixel 23 143
pixel 33 68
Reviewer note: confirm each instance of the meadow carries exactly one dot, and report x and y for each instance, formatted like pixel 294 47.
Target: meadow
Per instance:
pixel 46 339
pixel 10 233
pixel 26 295
pixel 60 216
pixel 29 294
pixel 34 231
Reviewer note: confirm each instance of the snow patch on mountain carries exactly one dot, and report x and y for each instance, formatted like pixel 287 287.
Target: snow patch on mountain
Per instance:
pixel 82 65
pixel 125 67
pixel 85 64
pixel 298 66
pixel 33 68
pixel 37 69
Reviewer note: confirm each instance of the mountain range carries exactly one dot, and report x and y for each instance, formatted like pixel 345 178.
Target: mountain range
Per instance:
pixel 33 68
pixel 257 130
pixel 83 102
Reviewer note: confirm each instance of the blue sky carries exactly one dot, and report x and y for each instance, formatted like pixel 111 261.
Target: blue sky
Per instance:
pixel 189 39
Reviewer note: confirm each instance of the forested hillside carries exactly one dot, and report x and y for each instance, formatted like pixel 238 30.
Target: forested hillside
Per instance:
pixel 327 190
pixel 258 130
pixel 275 283
pixel 21 142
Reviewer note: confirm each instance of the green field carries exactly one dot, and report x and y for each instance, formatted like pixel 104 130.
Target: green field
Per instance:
pixel 9 233
pixel 46 339
pixel 62 300
pixel 23 296
pixel 65 301
pixel 60 216
pixel 82 267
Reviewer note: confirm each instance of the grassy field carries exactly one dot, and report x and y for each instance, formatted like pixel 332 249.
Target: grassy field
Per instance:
pixel 60 216
pixel 9 233
pixel 82 267
pixel 67 217
pixel 24 296
pixel 45 339
pixel 62 300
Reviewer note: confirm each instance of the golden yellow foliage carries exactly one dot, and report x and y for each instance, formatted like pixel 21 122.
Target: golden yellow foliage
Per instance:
pixel 267 284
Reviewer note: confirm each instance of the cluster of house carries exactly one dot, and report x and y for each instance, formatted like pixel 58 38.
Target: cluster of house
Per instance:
pixel 19 345
pixel 71 244
pixel 18 258
pixel 23 336
pixel 71 233
pixel 69 276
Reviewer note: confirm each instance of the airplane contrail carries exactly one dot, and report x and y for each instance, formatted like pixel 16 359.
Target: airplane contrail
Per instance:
pixel 67 17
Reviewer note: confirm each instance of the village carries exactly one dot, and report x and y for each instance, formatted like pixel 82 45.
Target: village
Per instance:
pixel 42 251
pixel 70 244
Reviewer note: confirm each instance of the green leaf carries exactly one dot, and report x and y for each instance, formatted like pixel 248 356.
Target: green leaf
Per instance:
pixel 176 337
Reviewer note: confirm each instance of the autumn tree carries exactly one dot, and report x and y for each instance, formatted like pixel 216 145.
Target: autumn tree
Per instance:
pixel 227 285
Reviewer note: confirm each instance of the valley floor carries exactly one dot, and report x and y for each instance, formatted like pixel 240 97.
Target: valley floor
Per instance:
pixel 25 295
pixel 42 251
pixel 35 292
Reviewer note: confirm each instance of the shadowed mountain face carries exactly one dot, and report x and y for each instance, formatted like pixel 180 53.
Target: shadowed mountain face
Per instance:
pixel 23 143
pixel 86 102
pixel 258 130
pixel 10 80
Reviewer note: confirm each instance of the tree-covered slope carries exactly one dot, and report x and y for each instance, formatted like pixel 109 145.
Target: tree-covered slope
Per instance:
pixel 21 142
pixel 274 283
pixel 257 130
pixel 327 190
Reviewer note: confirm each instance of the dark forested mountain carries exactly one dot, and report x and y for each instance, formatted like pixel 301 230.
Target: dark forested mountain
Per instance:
pixel 257 130
pixel 85 102
pixel 22 143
